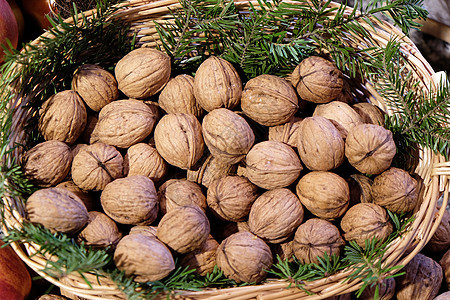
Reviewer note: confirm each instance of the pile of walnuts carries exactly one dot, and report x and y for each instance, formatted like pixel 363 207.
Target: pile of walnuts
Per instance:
pixel 212 172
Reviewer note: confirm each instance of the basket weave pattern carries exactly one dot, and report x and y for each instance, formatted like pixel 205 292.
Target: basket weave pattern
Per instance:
pixel 432 168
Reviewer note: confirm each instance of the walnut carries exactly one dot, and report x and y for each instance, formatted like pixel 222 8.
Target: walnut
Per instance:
pixel 321 146
pixel 100 232
pixel 443 296
pixel 87 198
pixel 272 164
pixel 203 259
pixel 422 279
pixel 370 148
pixel 76 148
pixel 123 123
pixel 365 221
pixel 287 133
pixel 360 189
pixel 62 117
pixel 96 86
pixel 143 159
pixel 285 251
pixel 445 264
pixel 251 267
pixel 221 230
pixel 369 113
pixel 386 290
pixel 317 80
pixel 143 72
pixel 184 229
pixel 178 138
pixel 217 84
pixel 231 197
pixel 342 115
pixel 95 166
pixel 269 100
pixel 178 96
pixel 57 209
pixel 324 194
pixel 180 192
pixel 47 163
pixel 92 120
pixel 346 95
pixel 144 257
pixel 208 169
pixel 227 135
pixel 314 238
pixel 440 241
pixel 131 200
pixel 275 215
pixel 396 190
pixel 144 229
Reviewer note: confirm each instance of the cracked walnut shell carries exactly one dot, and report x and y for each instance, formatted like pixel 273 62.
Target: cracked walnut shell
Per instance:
pixel 131 200
pixel 144 257
pixel 317 80
pixel 184 229
pixel 269 100
pixel 370 148
pixel 123 123
pixel 96 86
pixel 179 140
pixel 95 166
pixel 217 84
pixel 324 194
pixel 143 72
pixel 62 117
pixel 243 257
pixel 275 215
pixel 320 145
pixel 314 238
pixel 57 209
pixel 227 135
pixel 47 163
pixel 365 221
pixel 272 164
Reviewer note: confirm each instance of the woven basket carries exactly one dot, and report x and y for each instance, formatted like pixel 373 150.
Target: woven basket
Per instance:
pixel 432 168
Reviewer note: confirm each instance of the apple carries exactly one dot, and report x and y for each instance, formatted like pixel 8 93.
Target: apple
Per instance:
pixel 8 28
pixel 38 10
pixel 19 16
pixel 15 280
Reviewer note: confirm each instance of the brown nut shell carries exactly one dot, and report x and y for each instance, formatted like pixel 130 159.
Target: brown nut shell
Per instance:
pixel 100 232
pixel 96 86
pixel 131 200
pixel 184 229
pixel 231 197
pixel 47 163
pixel 227 135
pixel 179 140
pixel 370 148
pixel 123 123
pixel 87 198
pixel 244 257
pixel 62 117
pixel 321 146
pixel 386 290
pixel 178 96
pixel 422 279
pixel 365 221
pixel 95 166
pixel 396 190
pixel 342 115
pixel 272 164
pixel 287 133
pixel 144 257
pixel 57 209
pixel 317 80
pixel 314 238
pixel 269 100
pixel 324 194
pixel 180 192
pixel 208 169
pixel 370 114
pixel 440 241
pixel 275 215
pixel 445 264
pixel 143 159
pixel 143 72
pixel 217 84
pixel 203 260
pixel 144 229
